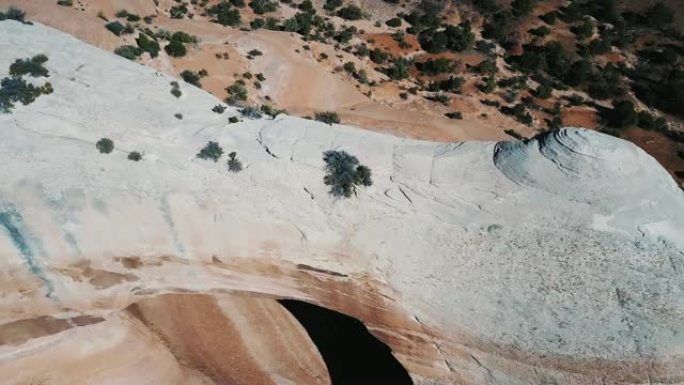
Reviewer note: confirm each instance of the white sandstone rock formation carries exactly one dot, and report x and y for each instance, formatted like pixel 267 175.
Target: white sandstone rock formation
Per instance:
pixel 559 260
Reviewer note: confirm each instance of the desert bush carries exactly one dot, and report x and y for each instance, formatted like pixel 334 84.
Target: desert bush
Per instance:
pixel 540 31
pixel 32 66
pixel 378 56
pixel 393 22
pixel 105 145
pixel 219 109
pixel 234 163
pixel 238 93
pixel 178 116
pixel 148 45
pixel 328 117
pixel 178 11
pixel 261 7
pixel 65 3
pixel 436 66
pixel 454 115
pixel 16 14
pixel 257 23
pixel 622 115
pixel 344 173
pixel 543 91
pixel 331 5
pixel 134 156
pixel 16 89
pixel 487 67
pixel 212 150
pixel 191 77
pixel 115 27
pixel 488 86
pixel 224 14
pixel 251 112
pixel 270 111
pixel 175 48
pixel 233 119
pixel 350 12
pixel 129 52
pixel 399 69
pixel 175 89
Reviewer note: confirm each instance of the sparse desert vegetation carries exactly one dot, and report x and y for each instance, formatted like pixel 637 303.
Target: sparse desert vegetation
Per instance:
pixel 526 66
pixel 344 173
pixel 211 151
pixel 105 145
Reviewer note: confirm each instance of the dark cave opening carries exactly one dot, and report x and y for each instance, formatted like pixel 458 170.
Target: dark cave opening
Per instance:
pixel 351 353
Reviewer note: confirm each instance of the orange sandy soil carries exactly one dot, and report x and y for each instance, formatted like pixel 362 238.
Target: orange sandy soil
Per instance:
pixel 659 146
pixel 296 81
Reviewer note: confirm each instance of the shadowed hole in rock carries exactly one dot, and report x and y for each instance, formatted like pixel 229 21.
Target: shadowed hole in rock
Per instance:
pixel 351 353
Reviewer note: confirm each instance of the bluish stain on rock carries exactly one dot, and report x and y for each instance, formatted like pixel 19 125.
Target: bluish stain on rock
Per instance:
pixel 12 222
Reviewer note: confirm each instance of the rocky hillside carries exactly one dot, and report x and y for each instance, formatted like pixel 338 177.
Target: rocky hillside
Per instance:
pixel 146 234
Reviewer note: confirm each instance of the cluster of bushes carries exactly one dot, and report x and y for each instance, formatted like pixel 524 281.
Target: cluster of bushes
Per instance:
pixel 344 173
pixel 31 66
pixel 237 91
pixel 452 38
pixel 213 151
pixel 148 44
pixel 435 66
pixel 178 11
pixel 261 7
pixel 124 14
pixel 15 89
pixel 119 29
pixel 350 12
pixel 224 14
pixel 177 41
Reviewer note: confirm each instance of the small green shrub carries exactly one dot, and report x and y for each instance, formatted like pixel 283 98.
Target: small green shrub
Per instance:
pixel 129 52
pixel 115 27
pixel 65 3
pixel 454 115
pixel 178 116
pixel 175 48
pixel 328 117
pixel 344 173
pixel 212 150
pixel 135 156
pixel 175 89
pixel 233 119
pixel 105 145
pixel 178 11
pixel 393 22
pixel 234 164
pixel 32 66
pixel 219 109
pixel 191 77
